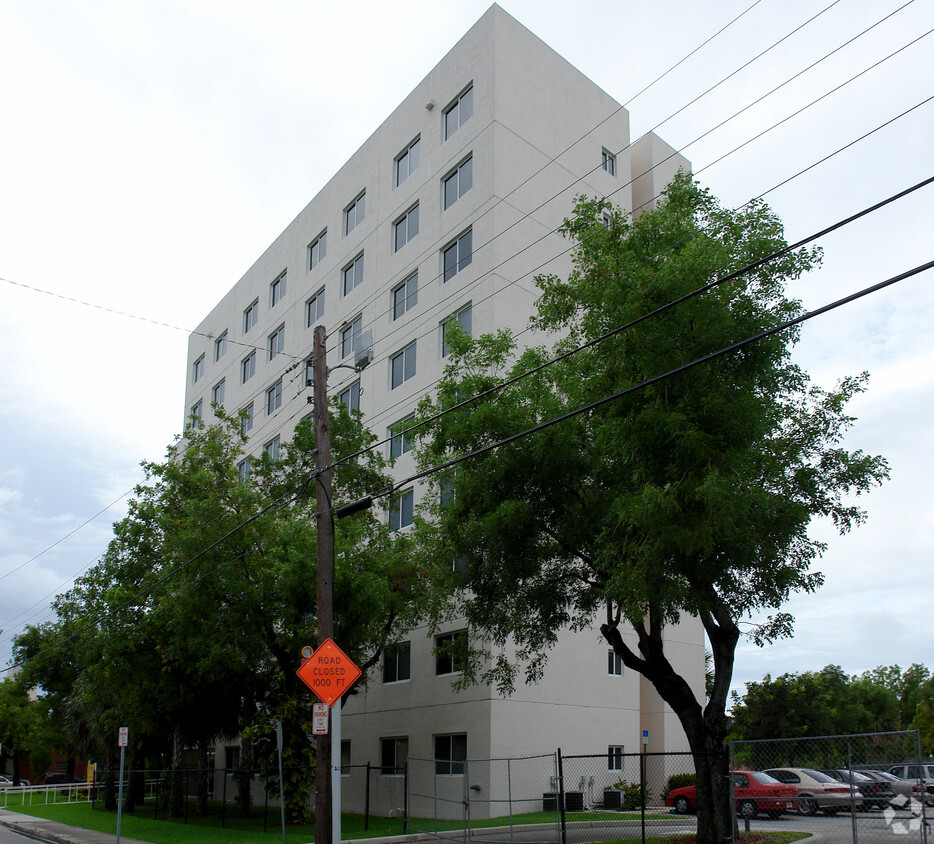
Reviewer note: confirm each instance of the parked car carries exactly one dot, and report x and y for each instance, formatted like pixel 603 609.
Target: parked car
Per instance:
pixel 7 782
pixel 753 791
pixel 914 773
pixel 877 794
pixel 905 788
pixel 816 790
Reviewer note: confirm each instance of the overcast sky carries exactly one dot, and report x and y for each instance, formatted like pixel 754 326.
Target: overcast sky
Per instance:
pixel 150 151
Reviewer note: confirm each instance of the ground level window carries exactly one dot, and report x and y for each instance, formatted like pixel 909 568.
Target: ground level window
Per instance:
pixel 394 753
pixel 614 757
pixel 450 754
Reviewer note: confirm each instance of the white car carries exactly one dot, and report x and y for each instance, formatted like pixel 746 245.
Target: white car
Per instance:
pixel 816 790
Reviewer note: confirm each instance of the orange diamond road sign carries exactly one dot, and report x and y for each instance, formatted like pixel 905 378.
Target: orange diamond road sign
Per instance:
pixel 328 672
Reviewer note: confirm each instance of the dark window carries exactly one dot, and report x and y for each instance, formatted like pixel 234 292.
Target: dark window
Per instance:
pixel 464 318
pixel 317 249
pixel 457 183
pixel 352 274
pixel 450 754
pixel 402 366
pixel 405 296
pixel 609 162
pixel 394 753
pixel 400 442
pixel 277 291
pixel 314 308
pixel 451 652
pixel 351 396
pixel 458 255
pixel 401 509
pixel 614 664
pixel 354 213
pixel 407 161
pixel 250 315
pixel 614 757
pixel 405 228
pixel 458 112
pixel 397 661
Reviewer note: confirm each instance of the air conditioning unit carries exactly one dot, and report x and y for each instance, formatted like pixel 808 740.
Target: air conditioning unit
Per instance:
pixel 363 349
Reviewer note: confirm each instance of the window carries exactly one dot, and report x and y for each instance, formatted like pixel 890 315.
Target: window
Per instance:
pixel 354 213
pixel 231 757
pixel 456 184
pixel 607 221
pixel 196 411
pixel 197 369
pixel 451 652
pixel 402 366
pixel 400 442
pixel 248 367
pixel 317 249
pixel 277 290
pixel 351 396
pixel 405 228
pixel 245 468
pixel 272 448
pixel 401 509
pixel 458 254
pixel 349 334
pixel 274 398
pixel 614 664
pixel 464 318
pixel 447 491
pixel 314 308
pixel 246 418
pixel 220 347
pixel 614 757
pixel 609 162
pixel 345 754
pixel 217 393
pixel 397 660
pixel 250 315
pixel 450 754
pixel 458 112
pixel 352 274
pixel 276 341
pixel 407 161
pixel 394 754
pixel 405 296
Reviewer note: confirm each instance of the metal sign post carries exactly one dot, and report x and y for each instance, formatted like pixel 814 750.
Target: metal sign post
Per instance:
pixel 330 673
pixel 122 738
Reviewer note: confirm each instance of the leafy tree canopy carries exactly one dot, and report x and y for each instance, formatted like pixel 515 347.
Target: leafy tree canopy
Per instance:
pixel 690 495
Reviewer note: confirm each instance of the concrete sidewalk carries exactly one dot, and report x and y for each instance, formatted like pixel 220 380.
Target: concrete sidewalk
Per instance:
pixel 45 830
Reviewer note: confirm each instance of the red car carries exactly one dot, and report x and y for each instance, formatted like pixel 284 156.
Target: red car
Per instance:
pixel 753 791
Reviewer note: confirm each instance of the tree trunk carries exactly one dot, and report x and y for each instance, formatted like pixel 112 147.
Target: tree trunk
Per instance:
pixel 245 778
pixel 176 785
pixel 204 779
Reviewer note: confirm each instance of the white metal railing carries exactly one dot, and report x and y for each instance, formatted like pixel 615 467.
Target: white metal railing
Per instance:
pixel 30 795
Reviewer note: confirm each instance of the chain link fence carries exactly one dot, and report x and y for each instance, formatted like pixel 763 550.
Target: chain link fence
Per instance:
pixel 871 787
pixel 856 789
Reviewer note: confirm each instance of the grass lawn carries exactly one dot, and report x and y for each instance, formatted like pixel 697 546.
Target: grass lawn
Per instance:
pixel 747 838
pixel 144 826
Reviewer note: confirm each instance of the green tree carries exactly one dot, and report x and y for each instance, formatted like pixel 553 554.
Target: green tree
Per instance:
pixel 689 496
pixel 206 595
pixel 20 724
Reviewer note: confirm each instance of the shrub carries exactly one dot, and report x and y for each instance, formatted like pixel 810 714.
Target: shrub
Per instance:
pixel 678 781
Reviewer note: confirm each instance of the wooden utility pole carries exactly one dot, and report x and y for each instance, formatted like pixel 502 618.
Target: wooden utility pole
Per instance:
pixel 324 524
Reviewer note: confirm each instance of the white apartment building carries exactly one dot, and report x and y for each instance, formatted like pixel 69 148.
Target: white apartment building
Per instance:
pixel 448 210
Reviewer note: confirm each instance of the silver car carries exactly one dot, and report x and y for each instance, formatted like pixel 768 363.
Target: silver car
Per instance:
pixel 817 791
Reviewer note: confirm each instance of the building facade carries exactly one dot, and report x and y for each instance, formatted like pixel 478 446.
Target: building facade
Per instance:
pixel 447 211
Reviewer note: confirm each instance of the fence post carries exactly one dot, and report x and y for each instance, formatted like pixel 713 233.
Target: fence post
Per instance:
pixel 508 794
pixel 924 793
pixel 465 800
pixel 560 796
pixel 187 792
pixel 405 798
pixel 266 800
pixel 224 800
pixel 849 768
pixel 366 799
pixel 734 820
pixel 642 788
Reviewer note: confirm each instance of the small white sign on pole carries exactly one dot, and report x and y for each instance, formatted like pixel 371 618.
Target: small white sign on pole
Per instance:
pixel 319 719
pixel 123 736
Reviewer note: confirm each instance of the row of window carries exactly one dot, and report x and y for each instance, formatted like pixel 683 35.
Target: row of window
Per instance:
pixel 454 185
pixel 450 754
pixel 450 657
